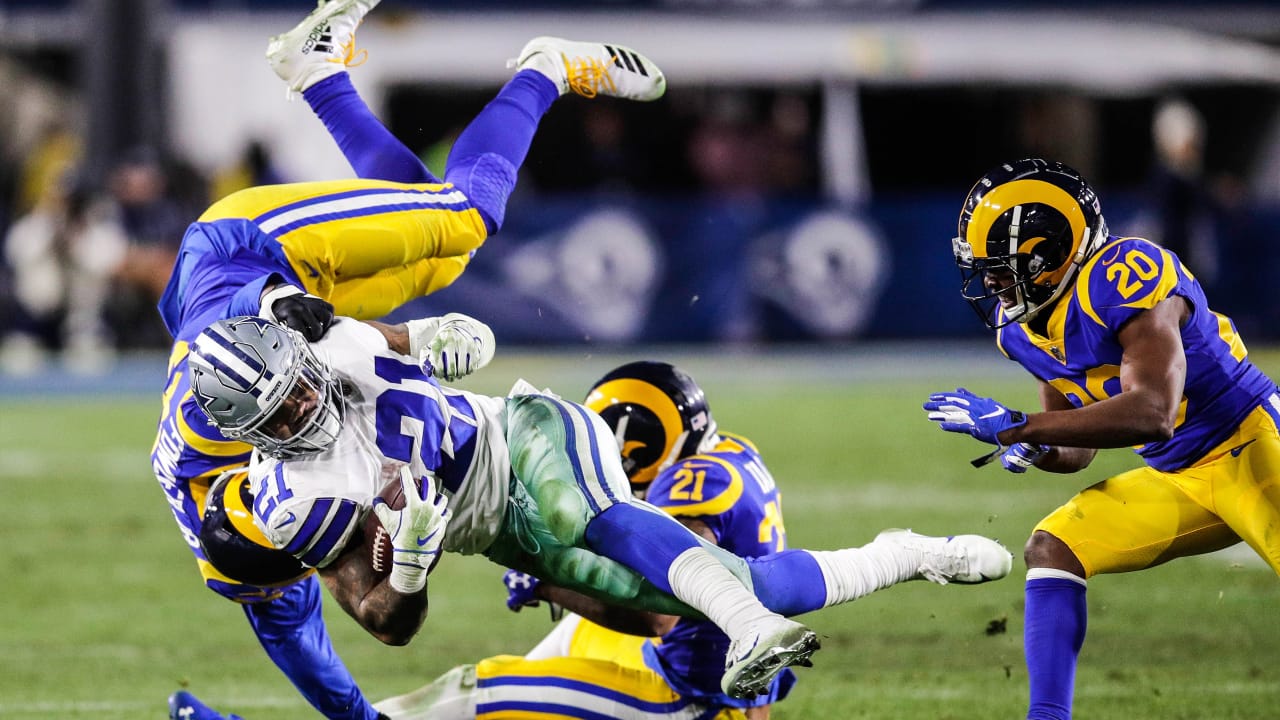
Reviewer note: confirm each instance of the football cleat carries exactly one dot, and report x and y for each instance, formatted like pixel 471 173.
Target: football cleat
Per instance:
pixel 184 706
pixel 591 68
pixel 757 657
pixel 962 559
pixel 323 44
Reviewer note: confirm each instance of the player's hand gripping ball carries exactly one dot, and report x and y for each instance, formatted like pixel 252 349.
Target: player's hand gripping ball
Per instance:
pixel 378 541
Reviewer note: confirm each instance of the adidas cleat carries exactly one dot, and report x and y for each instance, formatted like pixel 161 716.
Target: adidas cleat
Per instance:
pixel 756 659
pixel 961 559
pixel 323 44
pixel 590 68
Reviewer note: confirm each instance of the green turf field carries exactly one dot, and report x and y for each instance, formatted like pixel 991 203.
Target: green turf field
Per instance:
pixel 103 613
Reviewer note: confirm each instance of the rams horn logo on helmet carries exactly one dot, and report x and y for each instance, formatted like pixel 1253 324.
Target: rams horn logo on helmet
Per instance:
pixel 658 415
pixel 1034 222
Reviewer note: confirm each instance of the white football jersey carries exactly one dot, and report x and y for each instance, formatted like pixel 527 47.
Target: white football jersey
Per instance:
pixel 396 414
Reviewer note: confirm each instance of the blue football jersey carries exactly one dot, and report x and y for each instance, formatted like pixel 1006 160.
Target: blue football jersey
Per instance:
pixel 731 490
pixel 1080 355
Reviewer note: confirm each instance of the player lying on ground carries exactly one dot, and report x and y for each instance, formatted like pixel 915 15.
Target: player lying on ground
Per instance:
pixel 1120 337
pixel 293 252
pixel 533 483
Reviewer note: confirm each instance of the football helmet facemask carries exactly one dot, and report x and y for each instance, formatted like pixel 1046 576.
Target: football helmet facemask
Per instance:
pixel 658 415
pixel 1034 222
pixel 260 382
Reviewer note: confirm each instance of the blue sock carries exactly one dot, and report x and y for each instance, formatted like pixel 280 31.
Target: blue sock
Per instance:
pixel 1056 617
pixel 788 583
pixel 487 156
pixel 291 630
pixel 646 541
pixel 373 152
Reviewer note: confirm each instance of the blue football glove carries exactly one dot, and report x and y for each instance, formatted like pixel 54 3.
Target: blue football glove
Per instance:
pixel 963 412
pixel 520 587
pixel 1021 456
pixel 520 593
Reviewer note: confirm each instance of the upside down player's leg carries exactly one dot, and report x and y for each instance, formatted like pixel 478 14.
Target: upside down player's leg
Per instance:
pixel 484 161
pixel 370 148
pixel 370 263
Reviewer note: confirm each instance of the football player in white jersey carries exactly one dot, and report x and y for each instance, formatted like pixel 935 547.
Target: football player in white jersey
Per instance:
pixel 362 247
pixel 532 482
pixel 717 484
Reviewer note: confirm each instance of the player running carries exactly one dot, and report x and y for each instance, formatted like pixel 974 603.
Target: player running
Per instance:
pixel 1127 352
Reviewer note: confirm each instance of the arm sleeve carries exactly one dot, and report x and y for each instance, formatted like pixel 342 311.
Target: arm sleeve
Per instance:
pixel 291 630
pixel 247 300
pixel 313 529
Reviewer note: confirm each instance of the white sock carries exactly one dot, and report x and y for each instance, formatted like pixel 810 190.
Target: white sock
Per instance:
pixel 700 580
pixel 854 572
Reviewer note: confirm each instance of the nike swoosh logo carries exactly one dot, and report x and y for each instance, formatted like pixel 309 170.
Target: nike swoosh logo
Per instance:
pixel 994 413
pixel 1235 451
pixel 424 540
pixel 1115 255
pixel 288 518
pixel 311 270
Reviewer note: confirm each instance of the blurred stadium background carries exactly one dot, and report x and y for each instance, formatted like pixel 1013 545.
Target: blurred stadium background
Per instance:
pixel 779 223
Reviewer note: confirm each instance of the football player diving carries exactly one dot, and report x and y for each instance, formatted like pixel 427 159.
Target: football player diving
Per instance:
pixel 1127 352
pixel 530 481
pixel 297 253
pixel 717 485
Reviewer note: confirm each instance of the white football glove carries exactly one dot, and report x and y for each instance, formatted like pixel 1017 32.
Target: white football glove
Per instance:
pixel 416 531
pixel 451 347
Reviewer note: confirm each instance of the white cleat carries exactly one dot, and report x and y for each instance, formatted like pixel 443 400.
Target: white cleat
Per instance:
pixel 755 659
pixel 961 559
pixel 323 44
pixel 591 68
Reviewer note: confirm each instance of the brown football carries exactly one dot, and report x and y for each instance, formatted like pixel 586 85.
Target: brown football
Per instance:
pixel 376 537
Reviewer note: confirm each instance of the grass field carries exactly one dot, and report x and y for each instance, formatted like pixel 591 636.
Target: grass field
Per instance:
pixel 102 613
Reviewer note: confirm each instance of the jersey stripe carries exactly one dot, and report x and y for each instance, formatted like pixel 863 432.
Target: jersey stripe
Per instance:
pixel 338 206
pixel 562 697
pixel 311 526
pixel 340 520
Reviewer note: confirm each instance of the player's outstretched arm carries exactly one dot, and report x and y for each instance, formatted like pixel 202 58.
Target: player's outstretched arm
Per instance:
pixel 450 347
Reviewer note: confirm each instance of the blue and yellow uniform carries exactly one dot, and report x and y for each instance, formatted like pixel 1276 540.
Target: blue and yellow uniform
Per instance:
pixel 730 490
pixel 367 246
pixel 364 245
pixel 1213 481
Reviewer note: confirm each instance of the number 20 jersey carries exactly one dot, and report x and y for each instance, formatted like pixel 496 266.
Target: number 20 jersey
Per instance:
pixel 395 415
pixel 1080 355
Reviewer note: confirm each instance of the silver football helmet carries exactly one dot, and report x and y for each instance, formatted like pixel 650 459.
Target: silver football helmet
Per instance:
pixel 261 383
